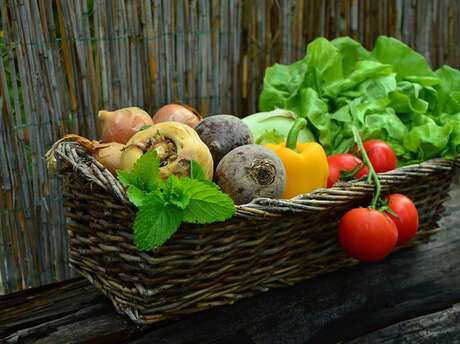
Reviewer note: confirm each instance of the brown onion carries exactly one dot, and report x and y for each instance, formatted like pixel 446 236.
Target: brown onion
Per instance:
pixel 120 125
pixel 109 155
pixel 178 113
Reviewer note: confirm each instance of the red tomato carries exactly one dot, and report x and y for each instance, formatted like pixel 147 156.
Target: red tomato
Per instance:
pixel 381 155
pixel 407 223
pixel 367 234
pixel 339 163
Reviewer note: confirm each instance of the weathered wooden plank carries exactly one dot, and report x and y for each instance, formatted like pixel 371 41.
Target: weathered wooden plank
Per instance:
pixel 438 327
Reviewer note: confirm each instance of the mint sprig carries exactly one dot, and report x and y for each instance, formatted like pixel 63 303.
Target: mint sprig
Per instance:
pixel 155 223
pixel 164 205
pixel 145 174
pixel 196 172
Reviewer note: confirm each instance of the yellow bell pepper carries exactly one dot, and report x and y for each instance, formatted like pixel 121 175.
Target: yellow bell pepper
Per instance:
pixel 305 163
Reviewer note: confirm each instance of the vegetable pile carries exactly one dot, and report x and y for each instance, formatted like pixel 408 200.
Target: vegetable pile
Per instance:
pixel 180 167
pixel 389 93
pixel 168 163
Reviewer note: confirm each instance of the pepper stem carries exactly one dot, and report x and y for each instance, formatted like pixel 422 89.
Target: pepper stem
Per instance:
pixel 293 134
pixel 372 174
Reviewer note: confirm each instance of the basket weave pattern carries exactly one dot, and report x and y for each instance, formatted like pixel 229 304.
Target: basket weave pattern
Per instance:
pixel 268 244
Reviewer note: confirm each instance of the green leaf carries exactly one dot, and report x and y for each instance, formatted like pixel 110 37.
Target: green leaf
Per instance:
pixel 207 203
pixel 147 169
pixel 173 192
pixel 324 64
pixel 145 174
pixel 128 178
pixel 363 72
pixel 351 52
pixel 427 140
pixel 196 172
pixel 280 83
pixel 314 110
pixel 155 223
pixel 385 126
pixel 136 195
pixel 405 61
pixel 449 99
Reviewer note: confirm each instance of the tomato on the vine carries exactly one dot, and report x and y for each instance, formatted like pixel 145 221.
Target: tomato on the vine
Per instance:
pixel 381 155
pixel 367 234
pixel 339 163
pixel 407 217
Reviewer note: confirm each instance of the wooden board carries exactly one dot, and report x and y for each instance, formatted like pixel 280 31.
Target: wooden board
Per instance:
pixel 438 327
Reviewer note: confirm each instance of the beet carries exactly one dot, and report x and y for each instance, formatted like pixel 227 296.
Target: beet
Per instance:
pixel 251 171
pixel 222 133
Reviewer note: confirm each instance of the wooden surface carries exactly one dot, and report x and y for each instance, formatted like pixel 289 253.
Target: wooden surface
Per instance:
pixel 62 61
pixel 413 296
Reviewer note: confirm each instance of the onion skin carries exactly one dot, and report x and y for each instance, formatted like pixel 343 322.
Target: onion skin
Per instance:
pixel 120 125
pixel 109 155
pixel 178 113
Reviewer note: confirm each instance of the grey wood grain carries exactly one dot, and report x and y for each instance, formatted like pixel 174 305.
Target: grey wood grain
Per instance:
pixel 438 327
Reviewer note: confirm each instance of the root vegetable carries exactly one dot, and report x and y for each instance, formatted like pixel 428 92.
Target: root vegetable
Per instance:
pixel 109 155
pixel 175 143
pixel 120 125
pixel 274 126
pixel 222 133
pixel 178 113
pixel 251 171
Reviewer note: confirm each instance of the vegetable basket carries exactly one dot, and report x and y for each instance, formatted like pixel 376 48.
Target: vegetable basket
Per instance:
pixel 268 243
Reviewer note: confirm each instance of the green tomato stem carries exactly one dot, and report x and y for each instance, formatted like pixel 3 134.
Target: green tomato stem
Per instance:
pixel 372 177
pixel 299 124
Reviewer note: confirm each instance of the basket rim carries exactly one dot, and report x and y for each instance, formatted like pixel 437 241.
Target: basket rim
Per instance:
pixel 72 153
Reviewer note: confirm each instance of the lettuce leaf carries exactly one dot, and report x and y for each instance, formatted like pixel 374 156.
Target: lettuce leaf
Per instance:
pixel 390 93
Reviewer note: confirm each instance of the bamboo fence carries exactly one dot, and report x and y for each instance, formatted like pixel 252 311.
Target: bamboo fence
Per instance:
pixel 63 60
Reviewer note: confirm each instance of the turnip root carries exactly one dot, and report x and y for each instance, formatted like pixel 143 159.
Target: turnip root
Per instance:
pixel 222 133
pixel 175 144
pixel 178 113
pixel 251 171
pixel 120 125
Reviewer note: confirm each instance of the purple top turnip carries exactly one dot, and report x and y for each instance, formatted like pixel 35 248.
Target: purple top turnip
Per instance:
pixel 251 171
pixel 222 133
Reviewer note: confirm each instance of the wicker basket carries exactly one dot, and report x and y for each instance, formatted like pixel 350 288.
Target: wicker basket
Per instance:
pixel 268 244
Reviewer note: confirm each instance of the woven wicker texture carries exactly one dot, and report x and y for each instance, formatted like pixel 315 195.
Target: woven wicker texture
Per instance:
pixel 268 244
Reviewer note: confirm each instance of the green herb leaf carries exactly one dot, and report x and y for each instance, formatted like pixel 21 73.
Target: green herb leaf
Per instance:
pixel 207 203
pixel 128 178
pixel 136 195
pixel 196 172
pixel 174 192
pixel 163 205
pixel 147 169
pixel 155 223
